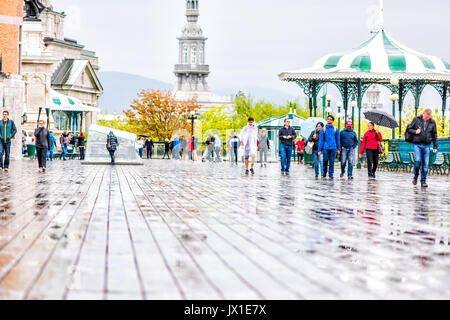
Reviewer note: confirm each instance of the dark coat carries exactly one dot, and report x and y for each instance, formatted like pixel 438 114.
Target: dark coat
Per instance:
pixel 427 135
pixel 112 142
pixel 43 140
pixel 316 141
pixel 149 144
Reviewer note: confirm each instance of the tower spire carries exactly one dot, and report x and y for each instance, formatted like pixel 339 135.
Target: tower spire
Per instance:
pixel 381 15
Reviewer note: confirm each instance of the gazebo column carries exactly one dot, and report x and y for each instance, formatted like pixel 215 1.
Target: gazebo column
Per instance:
pixel 359 101
pixel 345 98
pixel 401 96
pixel 314 92
pixel 444 105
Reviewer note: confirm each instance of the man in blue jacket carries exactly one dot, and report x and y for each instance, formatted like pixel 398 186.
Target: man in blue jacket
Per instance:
pixel 329 144
pixel 349 141
pixel 7 132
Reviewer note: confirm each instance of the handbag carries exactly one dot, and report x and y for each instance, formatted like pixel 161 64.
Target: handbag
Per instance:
pixel 309 147
pixel 380 146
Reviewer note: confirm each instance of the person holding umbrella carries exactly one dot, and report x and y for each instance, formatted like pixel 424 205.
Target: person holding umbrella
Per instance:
pixel 318 160
pixel 370 144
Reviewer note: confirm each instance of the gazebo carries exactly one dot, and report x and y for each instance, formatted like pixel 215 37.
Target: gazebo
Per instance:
pixel 380 60
pixel 273 125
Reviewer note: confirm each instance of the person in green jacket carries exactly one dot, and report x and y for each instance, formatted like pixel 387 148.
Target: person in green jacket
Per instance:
pixel 8 131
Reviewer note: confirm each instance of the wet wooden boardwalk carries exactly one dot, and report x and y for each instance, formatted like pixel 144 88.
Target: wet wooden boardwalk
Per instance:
pixel 179 230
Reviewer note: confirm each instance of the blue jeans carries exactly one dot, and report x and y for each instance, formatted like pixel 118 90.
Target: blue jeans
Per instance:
pixel 286 155
pixel 328 162
pixel 63 152
pixel 141 152
pixel 347 156
pixel 5 148
pixel 421 158
pixel 318 163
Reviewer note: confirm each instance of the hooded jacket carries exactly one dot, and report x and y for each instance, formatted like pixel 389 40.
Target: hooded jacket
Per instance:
pixel 329 139
pixel 7 130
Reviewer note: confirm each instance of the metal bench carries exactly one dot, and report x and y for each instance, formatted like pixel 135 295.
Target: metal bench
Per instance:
pixel 438 163
pixel 388 162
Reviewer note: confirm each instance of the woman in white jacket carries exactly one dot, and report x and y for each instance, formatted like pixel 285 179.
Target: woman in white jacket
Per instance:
pixel 249 141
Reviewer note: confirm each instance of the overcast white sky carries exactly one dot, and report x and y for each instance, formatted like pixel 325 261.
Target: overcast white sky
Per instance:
pixel 250 41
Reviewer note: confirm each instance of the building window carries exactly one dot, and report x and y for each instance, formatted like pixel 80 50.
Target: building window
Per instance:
pixel 201 56
pixel 185 55
pixel 194 55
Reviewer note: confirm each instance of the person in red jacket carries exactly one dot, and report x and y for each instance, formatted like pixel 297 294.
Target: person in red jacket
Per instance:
pixel 370 145
pixel 300 144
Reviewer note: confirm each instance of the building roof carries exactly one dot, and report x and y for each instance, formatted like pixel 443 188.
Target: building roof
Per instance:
pixel 70 70
pixel 378 58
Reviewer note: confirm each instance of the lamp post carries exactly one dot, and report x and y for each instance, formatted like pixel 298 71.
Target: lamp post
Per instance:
pixel 353 104
pixel 394 97
pixel 339 114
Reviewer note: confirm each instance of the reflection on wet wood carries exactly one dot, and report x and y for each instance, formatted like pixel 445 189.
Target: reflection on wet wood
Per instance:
pixel 183 230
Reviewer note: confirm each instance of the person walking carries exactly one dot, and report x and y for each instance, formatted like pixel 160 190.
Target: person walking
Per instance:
pixel 52 146
pixel 111 145
pixel 249 141
pixel 81 145
pixel 210 147
pixel 421 132
pixel 166 149
pixel 8 132
pixel 234 145
pixel 176 148
pixel 183 147
pixel 287 135
pixel 218 148
pixel 264 147
pixel 64 141
pixel 43 143
pixel 149 147
pixel 349 142
pixel 140 146
pixel 370 144
pixel 318 160
pixel 329 145
pixel 300 145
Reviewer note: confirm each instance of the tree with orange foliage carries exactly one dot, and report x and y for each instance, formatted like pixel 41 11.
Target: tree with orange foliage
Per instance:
pixel 158 114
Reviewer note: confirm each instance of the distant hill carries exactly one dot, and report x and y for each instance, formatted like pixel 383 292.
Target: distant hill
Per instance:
pixel 121 88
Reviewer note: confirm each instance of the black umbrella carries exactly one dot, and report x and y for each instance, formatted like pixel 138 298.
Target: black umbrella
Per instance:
pixel 381 118
pixel 143 135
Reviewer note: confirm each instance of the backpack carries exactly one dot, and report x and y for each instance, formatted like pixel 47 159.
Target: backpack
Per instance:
pixel 408 136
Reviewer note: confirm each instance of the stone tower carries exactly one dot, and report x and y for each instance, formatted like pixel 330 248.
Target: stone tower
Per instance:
pixel 191 70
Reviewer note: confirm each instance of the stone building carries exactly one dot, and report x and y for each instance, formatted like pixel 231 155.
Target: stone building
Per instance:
pixel 373 98
pixel 11 84
pixel 192 70
pixel 61 81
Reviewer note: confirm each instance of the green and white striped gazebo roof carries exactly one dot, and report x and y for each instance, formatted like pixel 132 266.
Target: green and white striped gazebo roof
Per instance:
pixel 379 58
